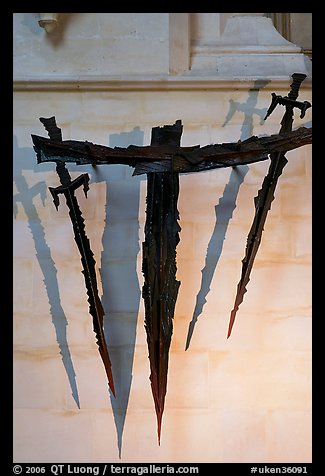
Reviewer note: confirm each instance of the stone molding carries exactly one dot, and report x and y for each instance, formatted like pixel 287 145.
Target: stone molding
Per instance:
pixel 249 49
pixel 252 46
pixel 154 83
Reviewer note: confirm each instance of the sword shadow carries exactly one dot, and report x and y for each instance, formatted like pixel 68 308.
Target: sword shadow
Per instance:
pixel 227 203
pixel 118 271
pixel 24 158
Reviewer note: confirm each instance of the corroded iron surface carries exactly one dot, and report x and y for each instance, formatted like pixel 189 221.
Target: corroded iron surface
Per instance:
pixel 265 196
pixel 160 287
pixel 67 188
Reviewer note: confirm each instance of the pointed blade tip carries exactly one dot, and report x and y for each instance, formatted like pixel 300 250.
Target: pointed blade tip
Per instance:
pixel 159 428
pixel 112 389
pixel 159 415
pixel 231 324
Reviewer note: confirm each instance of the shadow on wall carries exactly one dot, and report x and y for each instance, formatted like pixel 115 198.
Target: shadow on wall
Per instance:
pixel 121 291
pixel 227 203
pixel 120 284
pixel 24 158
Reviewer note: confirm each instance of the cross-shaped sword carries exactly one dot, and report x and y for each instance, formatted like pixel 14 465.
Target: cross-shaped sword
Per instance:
pixel 266 194
pixel 162 161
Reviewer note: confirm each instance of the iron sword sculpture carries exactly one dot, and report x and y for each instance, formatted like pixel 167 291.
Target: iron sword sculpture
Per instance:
pixel 162 161
pixel 160 287
pixel 265 196
pixel 165 158
pixel 67 188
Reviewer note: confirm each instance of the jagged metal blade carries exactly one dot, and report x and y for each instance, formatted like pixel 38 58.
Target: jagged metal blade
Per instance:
pixel 198 159
pixel 160 287
pixel 87 257
pixel 88 263
pixel 167 158
pixel 266 193
pixel 262 202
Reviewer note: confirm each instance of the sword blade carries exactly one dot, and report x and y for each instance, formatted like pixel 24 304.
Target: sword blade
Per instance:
pixel 263 202
pixel 166 158
pixel 68 188
pixel 89 271
pixel 264 199
pixel 160 287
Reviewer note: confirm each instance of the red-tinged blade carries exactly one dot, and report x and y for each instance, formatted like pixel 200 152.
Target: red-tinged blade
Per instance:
pixel 160 287
pixel 262 202
pixel 158 378
pixel 153 159
pixel 266 194
pixel 68 188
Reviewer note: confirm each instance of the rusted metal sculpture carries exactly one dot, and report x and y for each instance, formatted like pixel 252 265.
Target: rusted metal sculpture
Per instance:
pixel 162 161
pixel 160 287
pixel 265 195
pixel 67 188
pixel 171 157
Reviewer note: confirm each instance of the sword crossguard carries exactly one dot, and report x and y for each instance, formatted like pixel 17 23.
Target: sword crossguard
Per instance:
pixel 71 186
pixel 273 105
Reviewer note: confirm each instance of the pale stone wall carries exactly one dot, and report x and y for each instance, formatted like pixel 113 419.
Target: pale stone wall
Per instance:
pixel 244 399
pixel 92 43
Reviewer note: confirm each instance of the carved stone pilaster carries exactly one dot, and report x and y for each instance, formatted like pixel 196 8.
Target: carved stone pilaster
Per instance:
pixel 247 46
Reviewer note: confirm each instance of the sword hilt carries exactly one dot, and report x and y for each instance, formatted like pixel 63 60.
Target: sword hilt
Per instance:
pixel 55 133
pixel 52 129
pixel 295 85
pixel 290 100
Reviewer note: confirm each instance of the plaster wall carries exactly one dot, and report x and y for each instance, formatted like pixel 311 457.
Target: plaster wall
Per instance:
pixel 244 399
